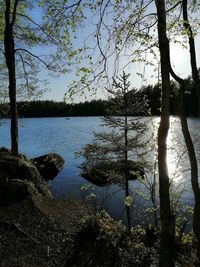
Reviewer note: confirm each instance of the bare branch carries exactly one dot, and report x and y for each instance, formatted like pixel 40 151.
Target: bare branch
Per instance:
pixel 36 24
pixel 24 69
pixel 14 13
pixel 35 56
pixel 173 7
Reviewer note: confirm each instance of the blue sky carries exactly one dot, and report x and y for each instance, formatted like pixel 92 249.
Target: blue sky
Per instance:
pixel 179 58
pixel 58 86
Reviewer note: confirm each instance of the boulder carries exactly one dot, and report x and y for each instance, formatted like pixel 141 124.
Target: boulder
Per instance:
pixel 14 169
pixel 97 176
pixel 49 165
pixel 13 191
pixel 105 173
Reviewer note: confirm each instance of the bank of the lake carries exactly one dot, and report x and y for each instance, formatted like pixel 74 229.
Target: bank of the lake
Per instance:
pixel 66 136
pixel 38 232
pixel 52 232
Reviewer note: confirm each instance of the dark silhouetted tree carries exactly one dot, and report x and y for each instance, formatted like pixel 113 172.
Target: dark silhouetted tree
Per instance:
pixel 121 141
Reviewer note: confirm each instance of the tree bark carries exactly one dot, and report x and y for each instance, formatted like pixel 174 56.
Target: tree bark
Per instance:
pixel 194 172
pixel 9 47
pixel 193 160
pixel 126 174
pixel 193 61
pixel 167 220
pixel 185 130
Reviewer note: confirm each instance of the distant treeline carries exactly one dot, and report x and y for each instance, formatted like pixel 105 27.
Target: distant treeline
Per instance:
pixel 99 107
pixel 56 109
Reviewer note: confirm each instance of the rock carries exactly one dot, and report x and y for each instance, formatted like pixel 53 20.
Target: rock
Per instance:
pixel 4 150
pixel 96 176
pixel 106 173
pixel 49 165
pixel 19 168
pixel 13 191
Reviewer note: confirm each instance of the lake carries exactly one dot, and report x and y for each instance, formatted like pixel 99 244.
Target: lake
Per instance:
pixel 66 136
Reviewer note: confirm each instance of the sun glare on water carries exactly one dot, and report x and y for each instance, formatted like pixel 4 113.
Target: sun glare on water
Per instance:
pixel 175 150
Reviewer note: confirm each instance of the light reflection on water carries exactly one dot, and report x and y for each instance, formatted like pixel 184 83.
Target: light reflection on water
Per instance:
pixel 41 136
pixel 177 158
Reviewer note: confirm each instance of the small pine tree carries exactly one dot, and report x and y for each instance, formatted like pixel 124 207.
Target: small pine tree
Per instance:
pixel 117 150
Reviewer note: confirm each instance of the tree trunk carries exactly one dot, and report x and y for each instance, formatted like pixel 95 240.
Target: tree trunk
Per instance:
pixel 153 198
pixel 193 161
pixel 167 220
pixel 193 61
pixel 194 171
pixel 188 140
pixel 9 47
pixel 128 210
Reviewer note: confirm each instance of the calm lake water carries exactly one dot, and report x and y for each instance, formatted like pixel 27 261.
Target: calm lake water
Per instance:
pixel 39 136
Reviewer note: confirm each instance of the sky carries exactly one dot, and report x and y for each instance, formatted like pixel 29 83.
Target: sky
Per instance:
pixel 179 58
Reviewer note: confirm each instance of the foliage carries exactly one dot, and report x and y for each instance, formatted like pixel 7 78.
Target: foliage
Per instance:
pixel 52 28
pixel 107 228
pixel 128 201
pixel 98 107
pixel 111 239
pixel 110 145
pixel 32 189
pixel 117 150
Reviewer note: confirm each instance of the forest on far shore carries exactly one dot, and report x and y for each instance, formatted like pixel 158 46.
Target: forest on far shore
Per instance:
pixel 48 108
pixel 91 46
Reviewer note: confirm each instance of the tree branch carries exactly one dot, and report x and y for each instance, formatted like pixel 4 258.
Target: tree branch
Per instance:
pixel 24 69
pixel 14 13
pixel 35 56
pixel 36 24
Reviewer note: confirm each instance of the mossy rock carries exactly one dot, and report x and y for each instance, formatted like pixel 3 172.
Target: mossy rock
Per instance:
pixel 105 173
pixel 15 172
pixel 49 165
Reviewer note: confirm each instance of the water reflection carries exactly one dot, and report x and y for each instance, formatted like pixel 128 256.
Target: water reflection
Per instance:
pixel 68 136
pixel 175 151
pixel 177 158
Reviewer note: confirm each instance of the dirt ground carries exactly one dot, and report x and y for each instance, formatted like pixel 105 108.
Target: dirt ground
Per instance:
pixel 48 233
pixel 39 232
